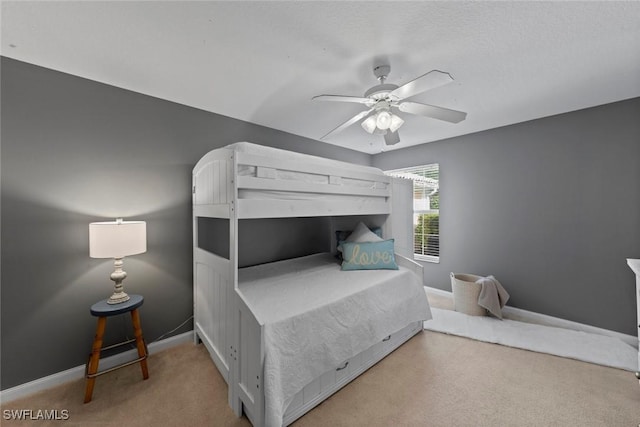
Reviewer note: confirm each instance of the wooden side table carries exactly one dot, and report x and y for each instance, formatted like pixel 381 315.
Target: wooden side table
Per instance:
pixel 102 310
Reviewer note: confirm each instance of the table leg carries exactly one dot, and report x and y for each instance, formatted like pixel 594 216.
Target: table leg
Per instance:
pixel 95 358
pixel 142 351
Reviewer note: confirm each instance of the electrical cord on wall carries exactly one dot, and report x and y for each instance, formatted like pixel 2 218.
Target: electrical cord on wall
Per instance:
pixel 173 330
pixel 160 337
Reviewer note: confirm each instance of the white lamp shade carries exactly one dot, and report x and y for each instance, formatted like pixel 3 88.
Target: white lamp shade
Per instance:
pixel 117 239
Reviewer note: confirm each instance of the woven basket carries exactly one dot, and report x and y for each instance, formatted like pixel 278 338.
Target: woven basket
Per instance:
pixel 465 294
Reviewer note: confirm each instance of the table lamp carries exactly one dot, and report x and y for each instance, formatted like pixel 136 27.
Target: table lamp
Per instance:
pixel 117 239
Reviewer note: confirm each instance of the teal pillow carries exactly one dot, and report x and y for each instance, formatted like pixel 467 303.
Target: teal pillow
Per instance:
pixel 369 255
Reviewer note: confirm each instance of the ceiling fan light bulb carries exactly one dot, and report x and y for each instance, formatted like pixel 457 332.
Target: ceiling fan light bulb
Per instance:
pixel 369 124
pixel 396 122
pixel 383 120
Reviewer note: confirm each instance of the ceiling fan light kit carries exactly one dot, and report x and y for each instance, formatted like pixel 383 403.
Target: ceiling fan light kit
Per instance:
pixel 396 122
pixel 382 121
pixel 369 124
pixel 382 98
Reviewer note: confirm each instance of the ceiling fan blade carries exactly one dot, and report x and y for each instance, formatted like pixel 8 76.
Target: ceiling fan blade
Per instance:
pixel 391 138
pixel 432 111
pixel 339 98
pixel 423 83
pixel 348 123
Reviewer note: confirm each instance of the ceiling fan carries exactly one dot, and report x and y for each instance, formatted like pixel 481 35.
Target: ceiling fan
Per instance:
pixel 382 98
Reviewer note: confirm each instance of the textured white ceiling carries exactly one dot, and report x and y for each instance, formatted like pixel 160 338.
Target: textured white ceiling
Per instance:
pixel 263 61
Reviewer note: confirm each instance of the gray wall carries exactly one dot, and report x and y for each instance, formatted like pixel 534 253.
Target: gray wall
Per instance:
pixel 76 151
pixel 550 207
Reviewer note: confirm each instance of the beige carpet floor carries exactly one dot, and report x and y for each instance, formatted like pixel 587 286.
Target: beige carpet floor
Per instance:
pixel 432 380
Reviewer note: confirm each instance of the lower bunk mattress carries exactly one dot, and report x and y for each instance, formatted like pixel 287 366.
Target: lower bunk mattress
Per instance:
pixel 315 316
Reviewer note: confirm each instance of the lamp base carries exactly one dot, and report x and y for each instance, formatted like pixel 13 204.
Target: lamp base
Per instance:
pixel 118 276
pixel 118 297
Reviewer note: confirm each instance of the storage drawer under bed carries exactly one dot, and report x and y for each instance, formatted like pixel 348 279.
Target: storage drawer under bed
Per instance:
pixel 330 382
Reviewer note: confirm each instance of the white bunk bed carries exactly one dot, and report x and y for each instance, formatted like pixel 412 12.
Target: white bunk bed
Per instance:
pixel 242 315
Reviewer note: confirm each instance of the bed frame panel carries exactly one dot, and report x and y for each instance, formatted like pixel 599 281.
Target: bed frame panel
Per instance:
pixel 211 286
pixel 250 363
pixel 311 167
pixel 249 208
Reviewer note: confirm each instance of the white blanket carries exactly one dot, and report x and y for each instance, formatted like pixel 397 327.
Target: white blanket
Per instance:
pixel 316 316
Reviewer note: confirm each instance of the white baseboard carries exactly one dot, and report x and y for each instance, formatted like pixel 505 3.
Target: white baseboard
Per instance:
pixel 76 373
pixel 543 319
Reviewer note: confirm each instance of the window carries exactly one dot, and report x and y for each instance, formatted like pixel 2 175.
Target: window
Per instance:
pixel 426 209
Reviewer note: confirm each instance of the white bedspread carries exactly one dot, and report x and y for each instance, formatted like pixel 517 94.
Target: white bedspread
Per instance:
pixel 316 316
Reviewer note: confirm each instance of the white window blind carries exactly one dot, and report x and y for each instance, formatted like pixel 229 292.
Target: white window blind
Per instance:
pixel 426 209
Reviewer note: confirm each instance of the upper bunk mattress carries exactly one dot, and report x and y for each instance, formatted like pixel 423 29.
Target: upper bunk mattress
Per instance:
pixel 315 316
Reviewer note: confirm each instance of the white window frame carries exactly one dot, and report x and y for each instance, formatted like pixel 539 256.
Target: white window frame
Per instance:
pixel 417 175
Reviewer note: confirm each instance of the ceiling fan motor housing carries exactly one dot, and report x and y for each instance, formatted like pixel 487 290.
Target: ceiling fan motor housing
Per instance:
pixel 380 91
